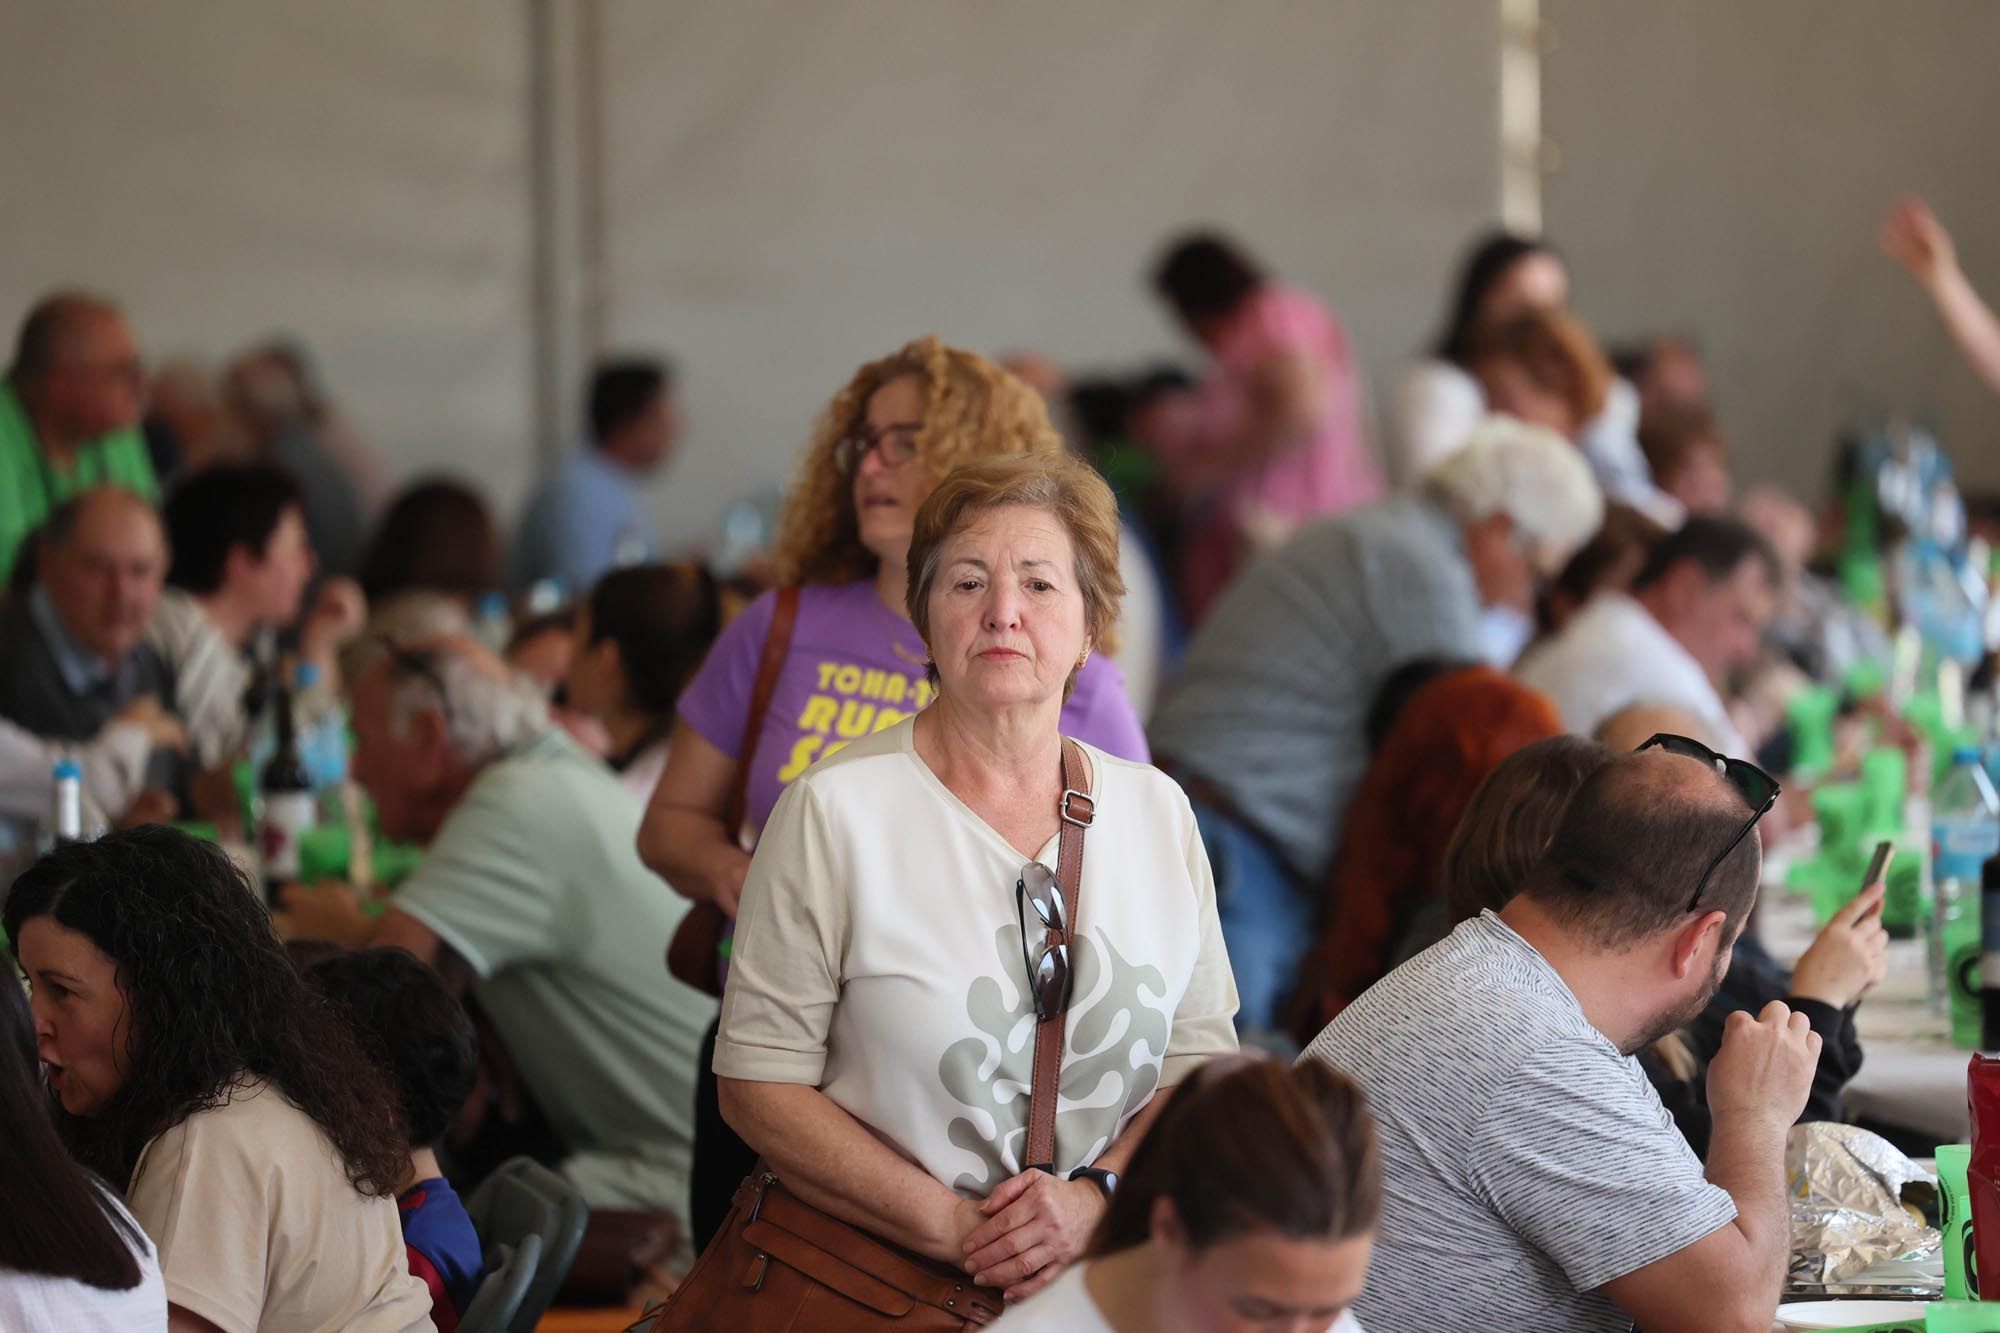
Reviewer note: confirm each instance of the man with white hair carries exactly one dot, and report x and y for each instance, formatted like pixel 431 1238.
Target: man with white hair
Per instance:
pixel 1266 724
pixel 532 891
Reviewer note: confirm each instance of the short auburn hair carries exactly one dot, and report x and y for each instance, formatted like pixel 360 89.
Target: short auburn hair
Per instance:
pixel 1555 350
pixel 1059 484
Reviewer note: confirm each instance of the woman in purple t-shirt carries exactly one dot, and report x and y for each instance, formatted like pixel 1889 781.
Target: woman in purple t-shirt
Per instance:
pixel 854 663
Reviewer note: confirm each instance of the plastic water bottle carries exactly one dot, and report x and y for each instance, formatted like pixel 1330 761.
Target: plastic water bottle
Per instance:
pixel 1947 608
pixel 494 626
pixel 322 728
pixel 73 816
pixel 1965 835
pixel 65 823
pixel 546 595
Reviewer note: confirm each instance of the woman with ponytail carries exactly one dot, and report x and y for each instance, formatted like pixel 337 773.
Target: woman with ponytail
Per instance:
pixel 1252 1204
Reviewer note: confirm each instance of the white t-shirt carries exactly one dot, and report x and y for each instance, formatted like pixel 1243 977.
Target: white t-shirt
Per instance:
pixel 1065 1307
pixel 209 676
pixel 64 1305
pixel 878 958
pixel 1614 654
pixel 258 1227
pixel 1437 405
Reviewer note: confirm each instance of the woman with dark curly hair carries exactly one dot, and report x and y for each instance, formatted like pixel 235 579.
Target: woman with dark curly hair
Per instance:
pixel 259 1145
pixel 71 1257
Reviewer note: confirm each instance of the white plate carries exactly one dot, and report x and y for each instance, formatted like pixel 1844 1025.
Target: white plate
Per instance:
pixel 1849 1314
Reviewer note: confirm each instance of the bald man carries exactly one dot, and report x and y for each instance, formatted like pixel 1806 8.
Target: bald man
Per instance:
pixel 69 413
pixel 72 650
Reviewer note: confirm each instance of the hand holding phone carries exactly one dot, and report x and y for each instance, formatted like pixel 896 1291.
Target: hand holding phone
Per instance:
pixel 1848 957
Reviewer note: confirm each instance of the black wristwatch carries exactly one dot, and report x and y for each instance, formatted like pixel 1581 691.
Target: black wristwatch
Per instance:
pixel 1104 1180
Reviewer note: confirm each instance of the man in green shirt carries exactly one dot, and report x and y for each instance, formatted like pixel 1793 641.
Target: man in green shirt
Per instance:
pixel 69 414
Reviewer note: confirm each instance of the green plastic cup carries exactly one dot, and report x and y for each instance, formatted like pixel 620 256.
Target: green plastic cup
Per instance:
pixel 1885 783
pixel 1906 891
pixel 1809 714
pixel 1952 1316
pixel 1955 1201
pixel 1861 579
pixel 1841 808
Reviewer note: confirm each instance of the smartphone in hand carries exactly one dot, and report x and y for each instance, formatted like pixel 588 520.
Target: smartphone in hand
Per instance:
pixel 1878 864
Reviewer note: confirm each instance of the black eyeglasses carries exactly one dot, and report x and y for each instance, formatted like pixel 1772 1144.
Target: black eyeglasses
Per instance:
pixel 424 666
pixel 897 444
pixel 1758 789
pixel 1048 976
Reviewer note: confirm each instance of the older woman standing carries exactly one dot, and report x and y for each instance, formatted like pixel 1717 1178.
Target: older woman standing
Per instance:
pixel 891 961
pixel 847 660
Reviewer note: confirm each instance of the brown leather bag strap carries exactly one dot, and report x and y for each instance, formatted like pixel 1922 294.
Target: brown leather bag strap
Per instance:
pixel 777 645
pixel 1077 811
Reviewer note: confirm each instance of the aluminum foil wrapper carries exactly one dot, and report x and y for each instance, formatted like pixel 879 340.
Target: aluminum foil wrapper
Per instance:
pixel 1856 1202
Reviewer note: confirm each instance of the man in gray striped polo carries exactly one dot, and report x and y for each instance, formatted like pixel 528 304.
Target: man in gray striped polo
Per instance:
pixel 1533 1180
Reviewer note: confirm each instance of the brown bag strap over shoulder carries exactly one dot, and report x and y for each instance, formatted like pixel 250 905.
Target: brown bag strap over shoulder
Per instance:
pixel 780 1264
pixel 777 646
pixel 1077 810
pixel 697 942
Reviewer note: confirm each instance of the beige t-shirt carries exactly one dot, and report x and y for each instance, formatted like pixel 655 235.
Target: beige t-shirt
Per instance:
pixel 258 1227
pixel 878 959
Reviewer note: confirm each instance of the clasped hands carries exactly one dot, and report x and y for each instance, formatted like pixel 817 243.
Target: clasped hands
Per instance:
pixel 1020 1237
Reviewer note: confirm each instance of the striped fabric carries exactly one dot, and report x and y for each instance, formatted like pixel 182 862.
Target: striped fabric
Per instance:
pixel 1271 704
pixel 1527 1161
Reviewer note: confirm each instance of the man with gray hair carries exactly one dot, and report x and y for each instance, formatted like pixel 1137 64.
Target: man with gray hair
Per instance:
pixel 531 892
pixel 73 654
pixel 1266 724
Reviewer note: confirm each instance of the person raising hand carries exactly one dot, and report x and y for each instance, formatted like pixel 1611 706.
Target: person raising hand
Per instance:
pixel 1913 237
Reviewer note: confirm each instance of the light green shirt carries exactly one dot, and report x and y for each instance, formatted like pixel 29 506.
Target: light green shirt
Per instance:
pixel 535 881
pixel 31 484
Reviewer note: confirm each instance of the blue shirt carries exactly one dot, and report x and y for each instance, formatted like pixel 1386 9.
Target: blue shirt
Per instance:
pixel 585 519
pixel 81 670
pixel 437 1230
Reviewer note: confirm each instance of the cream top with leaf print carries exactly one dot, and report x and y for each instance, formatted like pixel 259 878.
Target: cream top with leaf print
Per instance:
pixel 878 959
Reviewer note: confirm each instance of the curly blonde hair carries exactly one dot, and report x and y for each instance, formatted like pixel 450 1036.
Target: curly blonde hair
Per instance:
pixel 972 409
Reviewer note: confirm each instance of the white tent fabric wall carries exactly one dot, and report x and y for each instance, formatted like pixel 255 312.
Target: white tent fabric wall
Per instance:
pixel 353 173
pixel 788 190
pixel 792 189
pixel 1725 168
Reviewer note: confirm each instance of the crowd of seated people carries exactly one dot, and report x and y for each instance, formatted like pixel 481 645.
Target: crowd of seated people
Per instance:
pixel 881 902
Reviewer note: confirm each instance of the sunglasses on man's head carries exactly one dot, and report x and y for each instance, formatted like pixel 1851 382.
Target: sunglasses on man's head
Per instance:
pixel 422 664
pixel 1758 789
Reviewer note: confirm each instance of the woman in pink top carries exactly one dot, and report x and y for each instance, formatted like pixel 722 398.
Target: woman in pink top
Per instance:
pixel 1279 439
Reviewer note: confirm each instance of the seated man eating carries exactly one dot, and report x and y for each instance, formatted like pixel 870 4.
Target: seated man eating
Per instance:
pixel 1532 1178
